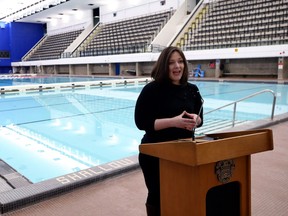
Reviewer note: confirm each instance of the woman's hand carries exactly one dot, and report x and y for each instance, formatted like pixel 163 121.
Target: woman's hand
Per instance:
pixel 185 121
pixel 193 116
pixel 190 119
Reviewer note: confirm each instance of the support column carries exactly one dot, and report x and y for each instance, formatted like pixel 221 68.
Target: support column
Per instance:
pixel 138 69
pixel 21 70
pixel 112 69
pixel 55 69
pixel 14 69
pixel 282 68
pixel 89 70
pixel 71 70
pixel 31 70
pixel 218 73
pixel 285 67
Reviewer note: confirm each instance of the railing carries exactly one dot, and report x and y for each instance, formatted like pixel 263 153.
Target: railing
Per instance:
pixel 245 98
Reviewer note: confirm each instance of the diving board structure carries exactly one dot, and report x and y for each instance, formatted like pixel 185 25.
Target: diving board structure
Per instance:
pixel 210 176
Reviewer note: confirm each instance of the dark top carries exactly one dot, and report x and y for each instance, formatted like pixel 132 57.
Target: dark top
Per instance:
pixel 158 101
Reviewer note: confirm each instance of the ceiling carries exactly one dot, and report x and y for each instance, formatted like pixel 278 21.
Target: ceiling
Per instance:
pixel 66 7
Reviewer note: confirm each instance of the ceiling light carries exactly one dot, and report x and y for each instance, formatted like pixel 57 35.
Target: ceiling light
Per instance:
pixel 22 8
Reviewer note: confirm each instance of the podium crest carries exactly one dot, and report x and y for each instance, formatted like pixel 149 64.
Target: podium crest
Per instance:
pixel 224 170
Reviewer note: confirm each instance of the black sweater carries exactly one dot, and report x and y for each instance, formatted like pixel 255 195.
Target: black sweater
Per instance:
pixel 158 101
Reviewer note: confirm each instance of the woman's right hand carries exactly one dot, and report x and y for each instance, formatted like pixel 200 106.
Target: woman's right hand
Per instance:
pixel 185 121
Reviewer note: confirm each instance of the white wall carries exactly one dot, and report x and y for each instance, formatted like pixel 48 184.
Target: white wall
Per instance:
pixel 74 21
pixel 133 8
pixel 124 9
pixel 229 53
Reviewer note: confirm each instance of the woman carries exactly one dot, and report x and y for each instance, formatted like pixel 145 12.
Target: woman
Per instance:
pixel 166 110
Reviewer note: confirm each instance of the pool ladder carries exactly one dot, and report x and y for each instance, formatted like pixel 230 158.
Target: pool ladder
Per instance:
pixel 245 98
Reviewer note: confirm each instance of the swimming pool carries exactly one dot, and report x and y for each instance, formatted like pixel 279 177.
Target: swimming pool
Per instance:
pixel 67 131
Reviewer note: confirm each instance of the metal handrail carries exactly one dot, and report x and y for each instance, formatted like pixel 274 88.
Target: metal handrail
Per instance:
pixel 249 96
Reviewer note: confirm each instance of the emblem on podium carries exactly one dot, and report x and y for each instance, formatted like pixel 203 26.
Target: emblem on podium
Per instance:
pixel 224 170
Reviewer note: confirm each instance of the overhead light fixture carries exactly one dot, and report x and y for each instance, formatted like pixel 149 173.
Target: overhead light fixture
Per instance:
pixel 20 12
pixel 56 2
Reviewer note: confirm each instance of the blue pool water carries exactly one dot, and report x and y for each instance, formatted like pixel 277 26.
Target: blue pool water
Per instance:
pixel 48 134
pixel 217 94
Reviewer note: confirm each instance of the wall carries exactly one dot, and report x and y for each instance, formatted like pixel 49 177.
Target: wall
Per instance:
pixel 99 69
pixel 259 60
pixel 229 53
pixel 240 67
pixel 23 36
pixel 75 21
pixel 134 8
pixel 5 63
pixel 123 10
pixel 18 38
pixel 247 66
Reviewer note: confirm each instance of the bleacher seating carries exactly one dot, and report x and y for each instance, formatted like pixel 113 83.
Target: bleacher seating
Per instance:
pixel 231 23
pixel 220 24
pixel 126 36
pixel 53 46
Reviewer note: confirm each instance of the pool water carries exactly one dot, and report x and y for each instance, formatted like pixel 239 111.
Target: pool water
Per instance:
pixel 217 94
pixel 47 134
pixel 66 132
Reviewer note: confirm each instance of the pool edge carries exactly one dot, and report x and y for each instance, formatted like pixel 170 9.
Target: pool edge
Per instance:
pixel 20 197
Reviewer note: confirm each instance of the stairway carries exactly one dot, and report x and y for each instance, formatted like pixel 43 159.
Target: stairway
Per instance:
pixel 213 125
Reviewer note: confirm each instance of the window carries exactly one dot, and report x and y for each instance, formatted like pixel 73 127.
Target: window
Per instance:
pixel 4 54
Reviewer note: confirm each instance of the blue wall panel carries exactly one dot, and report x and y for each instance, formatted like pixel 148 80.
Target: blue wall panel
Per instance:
pixel 23 37
pixel 5 63
pixel 18 38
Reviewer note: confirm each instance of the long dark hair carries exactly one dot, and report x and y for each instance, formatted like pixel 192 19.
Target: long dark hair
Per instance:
pixel 160 71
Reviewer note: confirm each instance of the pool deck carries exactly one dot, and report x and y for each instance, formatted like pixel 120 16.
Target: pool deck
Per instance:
pixel 125 194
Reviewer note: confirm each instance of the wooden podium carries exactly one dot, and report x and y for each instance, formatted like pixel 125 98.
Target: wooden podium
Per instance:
pixel 210 176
